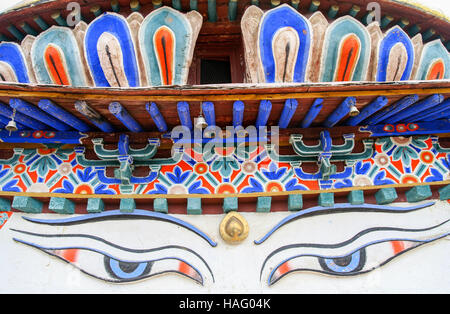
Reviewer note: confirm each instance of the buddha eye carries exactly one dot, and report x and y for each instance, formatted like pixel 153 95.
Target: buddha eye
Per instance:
pixel 372 251
pixel 127 266
pixel 344 265
pixel 98 257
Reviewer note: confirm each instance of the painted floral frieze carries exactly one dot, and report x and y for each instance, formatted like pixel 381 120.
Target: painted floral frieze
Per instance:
pixel 396 160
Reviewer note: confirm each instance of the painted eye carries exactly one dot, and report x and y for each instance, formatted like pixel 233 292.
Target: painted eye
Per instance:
pixel 98 257
pixel 366 251
pixel 357 262
pixel 124 265
pixel 120 270
pixel 347 264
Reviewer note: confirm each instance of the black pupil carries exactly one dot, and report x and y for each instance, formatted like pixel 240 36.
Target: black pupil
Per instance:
pixel 343 261
pixel 128 267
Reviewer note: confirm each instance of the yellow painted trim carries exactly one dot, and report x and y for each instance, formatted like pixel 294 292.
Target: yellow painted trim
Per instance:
pixel 91 95
pixel 425 8
pixel 218 196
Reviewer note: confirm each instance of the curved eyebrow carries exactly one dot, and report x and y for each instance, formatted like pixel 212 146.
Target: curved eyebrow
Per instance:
pixel 340 208
pixel 117 214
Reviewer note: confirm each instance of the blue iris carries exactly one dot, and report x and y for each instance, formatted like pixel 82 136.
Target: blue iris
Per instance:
pixel 127 270
pixel 347 264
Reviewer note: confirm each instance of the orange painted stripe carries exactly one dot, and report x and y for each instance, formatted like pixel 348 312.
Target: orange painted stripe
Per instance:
pixel 185 268
pixel 284 268
pixel 70 255
pixel 397 246
pixel 436 71
pixel 348 59
pixel 55 65
pixel 164 44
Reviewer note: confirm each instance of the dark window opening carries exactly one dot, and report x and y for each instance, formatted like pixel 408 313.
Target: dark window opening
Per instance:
pixel 215 71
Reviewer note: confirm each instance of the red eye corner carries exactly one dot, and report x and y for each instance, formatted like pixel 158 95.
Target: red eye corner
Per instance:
pixel 69 255
pixel 284 268
pixel 398 246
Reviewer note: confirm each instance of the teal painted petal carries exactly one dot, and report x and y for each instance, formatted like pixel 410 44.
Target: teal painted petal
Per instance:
pixel 64 39
pixel 420 141
pixel 43 165
pixel 386 142
pixel 182 30
pixel 337 32
pixel 432 52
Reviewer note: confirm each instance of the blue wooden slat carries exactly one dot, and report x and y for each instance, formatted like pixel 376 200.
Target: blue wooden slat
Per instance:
pixel 93 117
pixel 419 128
pixel 123 145
pixel 7 112
pixel 265 107
pixel 209 113
pixel 238 113
pixel 61 114
pixel 325 141
pixel 157 117
pixel 123 116
pixel 444 114
pixel 312 113
pixel 290 106
pixel 391 110
pixel 340 112
pixel 368 110
pixel 414 110
pixel 436 112
pixel 184 114
pixel 38 114
pixel 42 137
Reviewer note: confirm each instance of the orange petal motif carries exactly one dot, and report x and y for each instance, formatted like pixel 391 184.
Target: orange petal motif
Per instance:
pixel 165 45
pixel 348 58
pixel 56 65
pixel 436 71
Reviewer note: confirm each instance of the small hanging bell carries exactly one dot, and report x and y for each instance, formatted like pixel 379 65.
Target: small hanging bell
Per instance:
pixel 200 122
pixel 354 111
pixel 11 126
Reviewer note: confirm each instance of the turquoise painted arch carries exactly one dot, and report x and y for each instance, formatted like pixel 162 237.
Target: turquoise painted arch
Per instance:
pixel 433 51
pixel 65 40
pixel 182 30
pixel 334 36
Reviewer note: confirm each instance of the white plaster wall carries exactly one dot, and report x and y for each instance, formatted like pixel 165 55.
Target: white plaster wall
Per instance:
pixel 236 267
